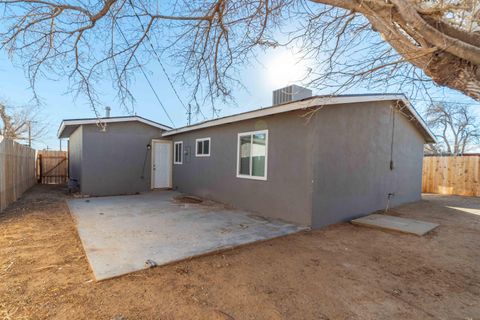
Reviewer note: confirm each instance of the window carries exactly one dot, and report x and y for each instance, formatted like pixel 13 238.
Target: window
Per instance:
pixel 252 155
pixel 202 147
pixel 178 152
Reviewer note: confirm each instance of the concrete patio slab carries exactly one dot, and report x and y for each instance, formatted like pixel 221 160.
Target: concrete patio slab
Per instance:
pixel 123 234
pixel 382 221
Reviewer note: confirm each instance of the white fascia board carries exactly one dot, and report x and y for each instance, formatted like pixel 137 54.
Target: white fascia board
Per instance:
pixel 152 123
pixel 296 105
pixel 305 104
pixel 419 118
pixel 107 120
pixel 60 130
pixel 247 115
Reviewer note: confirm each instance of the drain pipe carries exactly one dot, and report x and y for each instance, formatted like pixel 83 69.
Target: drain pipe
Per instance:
pixel 392 164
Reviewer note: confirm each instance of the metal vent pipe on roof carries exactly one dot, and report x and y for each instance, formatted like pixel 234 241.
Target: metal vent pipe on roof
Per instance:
pixel 107 112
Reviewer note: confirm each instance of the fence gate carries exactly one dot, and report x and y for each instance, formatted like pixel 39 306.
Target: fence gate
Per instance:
pixel 52 167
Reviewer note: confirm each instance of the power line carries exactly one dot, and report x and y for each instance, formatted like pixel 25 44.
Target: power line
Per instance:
pixel 155 93
pixel 189 114
pixel 169 80
pixel 145 75
pixel 447 101
pixel 166 74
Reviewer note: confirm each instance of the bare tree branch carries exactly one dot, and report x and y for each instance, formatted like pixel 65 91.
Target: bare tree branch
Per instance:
pixel 373 43
pixel 20 123
pixel 456 127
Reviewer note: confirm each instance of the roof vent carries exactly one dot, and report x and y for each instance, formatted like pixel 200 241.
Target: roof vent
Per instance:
pixel 107 112
pixel 290 93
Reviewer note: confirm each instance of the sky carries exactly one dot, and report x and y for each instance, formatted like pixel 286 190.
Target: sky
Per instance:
pixel 274 69
pixel 259 79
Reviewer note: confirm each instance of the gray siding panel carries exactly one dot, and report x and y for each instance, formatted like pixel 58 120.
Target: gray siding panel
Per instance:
pixel 285 195
pixel 352 161
pixel 117 161
pixel 75 154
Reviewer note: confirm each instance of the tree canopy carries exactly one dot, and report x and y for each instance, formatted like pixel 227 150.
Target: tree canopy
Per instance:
pixel 457 129
pixel 350 41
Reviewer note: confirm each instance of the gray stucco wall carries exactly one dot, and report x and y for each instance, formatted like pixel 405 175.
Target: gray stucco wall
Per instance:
pixel 117 161
pixel 329 169
pixel 75 155
pixel 286 194
pixel 351 157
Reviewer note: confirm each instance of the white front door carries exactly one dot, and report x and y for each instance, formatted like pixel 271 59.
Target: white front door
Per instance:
pixel 162 164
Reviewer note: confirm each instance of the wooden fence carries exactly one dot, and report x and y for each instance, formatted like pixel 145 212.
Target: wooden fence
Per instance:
pixel 17 171
pixel 452 175
pixel 52 167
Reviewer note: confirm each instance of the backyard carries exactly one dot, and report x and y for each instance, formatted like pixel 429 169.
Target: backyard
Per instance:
pixel 339 272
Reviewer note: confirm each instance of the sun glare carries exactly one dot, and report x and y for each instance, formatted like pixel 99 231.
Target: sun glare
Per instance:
pixel 285 68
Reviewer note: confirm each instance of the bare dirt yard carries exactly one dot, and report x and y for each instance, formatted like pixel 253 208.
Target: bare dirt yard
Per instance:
pixel 339 272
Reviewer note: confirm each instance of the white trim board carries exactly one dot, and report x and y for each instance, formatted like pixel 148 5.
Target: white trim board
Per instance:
pixel 78 122
pixel 305 104
pixel 175 143
pixel 209 147
pixel 152 164
pixel 244 176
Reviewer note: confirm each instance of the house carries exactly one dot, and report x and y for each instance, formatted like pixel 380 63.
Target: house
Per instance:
pixel 314 161
pixel 111 156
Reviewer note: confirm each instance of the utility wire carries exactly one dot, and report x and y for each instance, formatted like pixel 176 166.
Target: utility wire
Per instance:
pixel 446 101
pixel 165 71
pixel 145 75
pixel 169 80
pixel 166 74
pixel 155 93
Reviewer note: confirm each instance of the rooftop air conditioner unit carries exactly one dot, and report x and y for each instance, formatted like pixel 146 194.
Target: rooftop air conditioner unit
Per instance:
pixel 290 93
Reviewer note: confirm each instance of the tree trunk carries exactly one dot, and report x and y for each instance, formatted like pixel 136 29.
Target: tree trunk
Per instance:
pixel 448 55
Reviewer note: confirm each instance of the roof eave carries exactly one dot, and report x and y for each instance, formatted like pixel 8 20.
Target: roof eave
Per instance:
pixel 60 130
pixel 429 136
pixel 305 104
pixel 78 122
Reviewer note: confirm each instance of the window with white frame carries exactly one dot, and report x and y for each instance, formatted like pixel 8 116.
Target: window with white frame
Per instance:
pixel 202 148
pixel 252 148
pixel 178 152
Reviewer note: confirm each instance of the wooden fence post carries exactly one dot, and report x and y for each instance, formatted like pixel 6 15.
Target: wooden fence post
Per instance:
pixel 40 169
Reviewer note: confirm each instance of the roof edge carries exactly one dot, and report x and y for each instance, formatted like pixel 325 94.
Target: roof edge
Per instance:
pixel 315 101
pixel 419 119
pixel 77 122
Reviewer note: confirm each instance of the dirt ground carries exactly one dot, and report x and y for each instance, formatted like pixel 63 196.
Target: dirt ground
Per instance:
pixel 339 272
